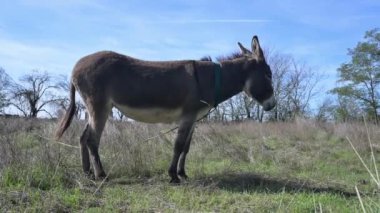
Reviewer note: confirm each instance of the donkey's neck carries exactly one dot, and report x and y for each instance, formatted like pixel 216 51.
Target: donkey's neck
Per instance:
pixel 233 77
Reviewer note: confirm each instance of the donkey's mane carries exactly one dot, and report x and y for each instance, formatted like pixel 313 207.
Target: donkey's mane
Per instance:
pixel 221 58
pixel 206 58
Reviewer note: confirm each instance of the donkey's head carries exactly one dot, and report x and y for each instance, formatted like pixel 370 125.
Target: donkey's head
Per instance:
pixel 258 83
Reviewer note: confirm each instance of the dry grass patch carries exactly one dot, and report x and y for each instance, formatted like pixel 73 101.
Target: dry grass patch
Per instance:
pixel 298 166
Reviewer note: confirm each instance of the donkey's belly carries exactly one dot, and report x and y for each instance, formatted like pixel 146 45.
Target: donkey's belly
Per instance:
pixel 151 115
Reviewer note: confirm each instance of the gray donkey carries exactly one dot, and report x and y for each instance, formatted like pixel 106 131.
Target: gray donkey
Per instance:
pixel 161 91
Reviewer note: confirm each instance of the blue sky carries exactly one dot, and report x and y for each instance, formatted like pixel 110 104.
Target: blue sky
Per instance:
pixel 52 35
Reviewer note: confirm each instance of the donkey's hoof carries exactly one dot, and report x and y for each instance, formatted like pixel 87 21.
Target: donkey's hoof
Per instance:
pixel 90 175
pixel 183 175
pixel 102 176
pixel 175 181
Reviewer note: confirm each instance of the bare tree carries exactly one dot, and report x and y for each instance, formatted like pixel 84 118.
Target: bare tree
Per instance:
pixel 34 94
pixel 294 86
pixel 5 82
pixel 248 105
pixel 219 114
pixel 280 66
pixel 301 88
pixel 326 110
pixel 117 114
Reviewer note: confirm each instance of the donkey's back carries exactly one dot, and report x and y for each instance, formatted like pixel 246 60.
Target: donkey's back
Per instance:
pixel 147 91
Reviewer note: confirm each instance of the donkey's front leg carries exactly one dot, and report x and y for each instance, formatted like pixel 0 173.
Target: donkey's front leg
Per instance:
pixel 182 158
pixel 183 135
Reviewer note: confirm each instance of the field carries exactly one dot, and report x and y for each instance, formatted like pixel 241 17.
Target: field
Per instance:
pixel 303 166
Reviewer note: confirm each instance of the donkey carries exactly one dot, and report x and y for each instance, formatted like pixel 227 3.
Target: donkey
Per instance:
pixel 165 91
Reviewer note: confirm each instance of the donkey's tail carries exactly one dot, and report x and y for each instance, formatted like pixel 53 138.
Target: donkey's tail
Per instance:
pixel 66 120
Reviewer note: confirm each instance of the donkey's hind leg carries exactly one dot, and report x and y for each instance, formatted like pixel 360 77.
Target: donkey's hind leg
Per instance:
pixel 84 151
pixel 97 120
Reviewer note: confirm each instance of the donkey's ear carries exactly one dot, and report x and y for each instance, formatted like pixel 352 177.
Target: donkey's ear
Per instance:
pixel 244 50
pixel 256 49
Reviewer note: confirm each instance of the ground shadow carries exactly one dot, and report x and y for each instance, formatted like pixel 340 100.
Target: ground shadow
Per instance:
pixel 243 182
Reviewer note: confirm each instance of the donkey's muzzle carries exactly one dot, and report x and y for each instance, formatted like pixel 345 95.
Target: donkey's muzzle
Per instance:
pixel 269 104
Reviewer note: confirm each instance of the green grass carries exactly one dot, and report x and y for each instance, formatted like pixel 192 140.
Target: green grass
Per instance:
pixel 245 167
pixel 157 195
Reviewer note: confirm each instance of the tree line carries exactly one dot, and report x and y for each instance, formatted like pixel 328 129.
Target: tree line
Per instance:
pixel 296 86
pixel 36 92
